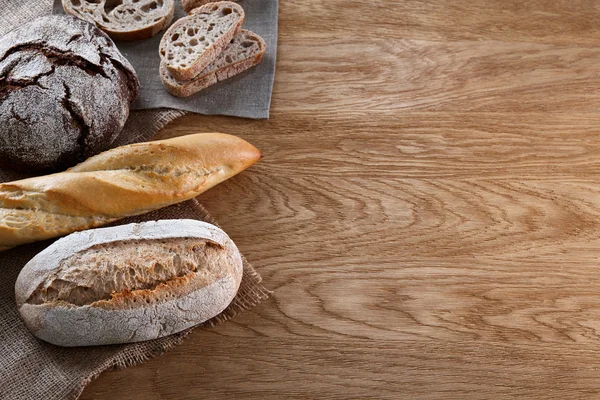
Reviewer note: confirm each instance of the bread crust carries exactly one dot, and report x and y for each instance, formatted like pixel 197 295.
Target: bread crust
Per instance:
pixel 130 315
pixel 96 14
pixel 189 5
pixel 125 181
pixel 65 91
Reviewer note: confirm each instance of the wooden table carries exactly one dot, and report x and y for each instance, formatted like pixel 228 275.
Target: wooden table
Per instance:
pixel 427 211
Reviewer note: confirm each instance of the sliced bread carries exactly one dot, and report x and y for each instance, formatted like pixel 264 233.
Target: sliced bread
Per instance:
pixel 189 5
pixel 193 42
pixel 124 19
pixel 245 51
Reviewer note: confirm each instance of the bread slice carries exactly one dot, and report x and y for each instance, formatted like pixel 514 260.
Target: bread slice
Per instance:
pixel 124 19
pixel 195 41
pixel 245 51
pixel 189 5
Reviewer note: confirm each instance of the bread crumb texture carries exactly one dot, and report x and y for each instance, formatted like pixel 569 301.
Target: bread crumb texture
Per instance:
pixel 121 15
pixel 188 39
pixel 134 273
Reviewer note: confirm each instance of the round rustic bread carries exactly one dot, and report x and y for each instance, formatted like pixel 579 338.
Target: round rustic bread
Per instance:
pixel 65 92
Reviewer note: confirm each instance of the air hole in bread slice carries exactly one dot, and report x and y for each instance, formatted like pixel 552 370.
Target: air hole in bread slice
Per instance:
pixel 110 5
pixel 247 44
pixel 149 7
pixel 76 3
pixel 191 32
pixel 175 37
pixel 226 11
pixel 194 42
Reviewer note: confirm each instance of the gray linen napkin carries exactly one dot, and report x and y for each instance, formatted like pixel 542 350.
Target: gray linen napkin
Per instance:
pixel 247 95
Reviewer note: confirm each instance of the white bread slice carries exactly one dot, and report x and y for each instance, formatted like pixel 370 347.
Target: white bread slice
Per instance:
pixel 189 5
pixel 245 51
pixel 195 41
pixel 124 19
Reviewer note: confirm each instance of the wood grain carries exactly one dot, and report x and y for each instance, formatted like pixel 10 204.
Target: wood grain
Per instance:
pixel 358 369
pixel 427 211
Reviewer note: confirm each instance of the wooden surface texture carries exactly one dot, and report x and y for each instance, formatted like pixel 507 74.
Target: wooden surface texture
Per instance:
pixel 427 211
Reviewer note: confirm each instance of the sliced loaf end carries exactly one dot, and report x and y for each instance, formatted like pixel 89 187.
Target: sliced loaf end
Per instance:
pixel 124 20
pixel 193 42
pixel 245 51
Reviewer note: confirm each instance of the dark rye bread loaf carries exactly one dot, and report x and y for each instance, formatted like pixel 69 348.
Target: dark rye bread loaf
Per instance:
pixel 65 92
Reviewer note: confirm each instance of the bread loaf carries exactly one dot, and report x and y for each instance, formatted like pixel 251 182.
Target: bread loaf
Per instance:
pixel 245 51
pixel 124 19
pixel 193 42
pixel 118 183
pixel 65 91
pixel 128 283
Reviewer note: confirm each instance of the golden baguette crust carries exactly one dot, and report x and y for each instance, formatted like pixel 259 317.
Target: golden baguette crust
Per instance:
pixel 119 183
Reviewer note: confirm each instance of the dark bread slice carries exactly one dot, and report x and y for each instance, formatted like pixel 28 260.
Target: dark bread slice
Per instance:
pixel 189 5
pixel 124 19
pixel 195 41
pixel 245 51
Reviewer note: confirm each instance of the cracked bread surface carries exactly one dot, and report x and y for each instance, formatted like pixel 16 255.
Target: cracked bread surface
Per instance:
pixel 245 51
pixel 65 92
pixel 128 283
pixel 193 42
pixel 124 19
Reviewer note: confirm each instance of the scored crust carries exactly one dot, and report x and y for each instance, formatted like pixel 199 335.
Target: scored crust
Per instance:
pixel 128 283
pixel 124 19
pixel 193 42
pixel 245 51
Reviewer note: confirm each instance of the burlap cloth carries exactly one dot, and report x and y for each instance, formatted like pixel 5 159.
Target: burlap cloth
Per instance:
pixel 32 369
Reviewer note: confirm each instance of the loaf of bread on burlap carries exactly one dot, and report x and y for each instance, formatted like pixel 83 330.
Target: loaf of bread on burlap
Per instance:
pixel 193 42
pixel 124 19
pixel 128 283
pixel 126 181
pixel 189 5
pixel 245 51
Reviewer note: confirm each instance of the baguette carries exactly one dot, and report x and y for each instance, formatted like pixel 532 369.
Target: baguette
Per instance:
pixel 124 19
pixel 189 5
pixel 245 51
pixel 193 42
pixel 118 183
pixel 128 283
